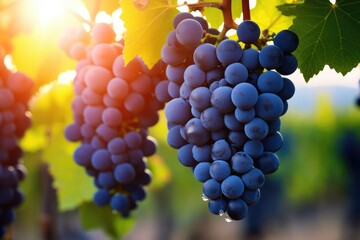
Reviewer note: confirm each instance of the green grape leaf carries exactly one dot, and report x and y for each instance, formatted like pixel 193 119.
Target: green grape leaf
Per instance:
pixel 70 180
pixel 268 17
pixel 93 217
pixel 146 28
pixel 34 139
pixel 215 17
pixel 329 35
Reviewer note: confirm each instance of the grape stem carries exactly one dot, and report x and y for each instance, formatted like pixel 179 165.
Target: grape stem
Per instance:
pixel 225 7
pixel 246 9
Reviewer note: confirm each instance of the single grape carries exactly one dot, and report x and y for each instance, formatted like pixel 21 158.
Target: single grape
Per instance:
pixel 248 32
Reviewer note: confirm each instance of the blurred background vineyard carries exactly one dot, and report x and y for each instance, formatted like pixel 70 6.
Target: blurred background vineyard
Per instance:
pixel 311 196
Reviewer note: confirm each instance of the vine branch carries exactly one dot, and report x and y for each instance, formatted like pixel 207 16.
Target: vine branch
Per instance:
pixel 225 7
pixel 246 9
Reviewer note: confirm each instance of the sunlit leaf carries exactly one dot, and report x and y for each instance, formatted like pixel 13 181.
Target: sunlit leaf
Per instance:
pixel 329 35
pixel 268 17
pixel 95 6
pixel 146 28
pixel 214 16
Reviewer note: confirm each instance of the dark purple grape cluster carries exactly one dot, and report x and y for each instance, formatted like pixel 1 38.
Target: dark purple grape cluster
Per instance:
pixel 224 115
pixel 15 92
pixel 113 109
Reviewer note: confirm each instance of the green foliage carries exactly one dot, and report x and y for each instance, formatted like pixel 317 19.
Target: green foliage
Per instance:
pixel 329 35
pixel 146 28
pixel 94 217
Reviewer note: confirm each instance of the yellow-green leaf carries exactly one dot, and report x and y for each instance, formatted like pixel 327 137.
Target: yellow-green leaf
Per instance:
pixel 147 28
pixel 268 17
pixel 214 16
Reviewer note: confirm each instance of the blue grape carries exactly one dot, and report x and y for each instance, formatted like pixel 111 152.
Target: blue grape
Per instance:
pixel 219 170
pixel 251 197
pixel 195 133
pixel 241 162
pixel 221 99
pixel 236 209
pixel 118 88
pixel 173 90
pixel 176 106
pixel 274 126
pixel 112 117
pixel 138 194
pixel 185 91
pixel 221 134
pixel 244 96
pixel 117 145
pixel 133 140
pixel 256 129
pixel 120 202
pixel 189 32
pixel 253 179
pixel 124 173
pixel 101 160
pixel 288 66
pixel 250 59
pixel 212 189
pixel 173 56
pixel 214 75
pixel 134 102
pixel 194 76
pixel 236 73
pixel 180 17
pixel 161 91
pixel 248 32
pixel 228 51
pixel 202 153
pixel 205 56
pixel 201 171
pixel 268 162
pixel 254 148
pixel 105 132
pixel 236 139
pixel 174 137
pixel 270 82
pixel 185 156
pixel 232 187
pixel 212 119
pixel 288 90
pixel 244 116
pixel 106 179
pixel 269 106
pixel 175 74
pixel 221 150
pixel 273 142
pixel 203 23
pixel 286 40
pixel 232 123
pixel 72 132
pixel 271 57
pixel 82 155
pixel 200 98
pixel 217 206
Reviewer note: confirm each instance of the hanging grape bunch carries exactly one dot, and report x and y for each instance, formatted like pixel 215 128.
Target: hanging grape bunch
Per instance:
pixel 15 92
pixel 227 100
pixel 113 109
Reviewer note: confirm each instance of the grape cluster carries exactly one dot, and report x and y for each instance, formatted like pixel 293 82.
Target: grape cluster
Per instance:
pixel 15 92
pixel 224 115
pixel 113 108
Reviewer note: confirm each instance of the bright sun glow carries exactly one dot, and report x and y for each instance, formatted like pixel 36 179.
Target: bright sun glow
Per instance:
pixel 50 10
